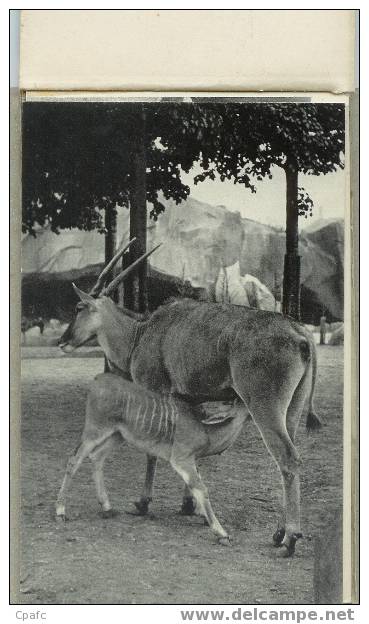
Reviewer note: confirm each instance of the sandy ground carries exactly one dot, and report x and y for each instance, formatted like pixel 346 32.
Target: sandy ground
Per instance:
pixel 165 557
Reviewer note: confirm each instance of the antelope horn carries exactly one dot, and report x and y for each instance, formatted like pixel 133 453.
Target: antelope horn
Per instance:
pixel 117 280
pixel 100 280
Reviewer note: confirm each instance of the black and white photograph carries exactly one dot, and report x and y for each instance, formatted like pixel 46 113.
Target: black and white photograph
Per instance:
pixel 182 349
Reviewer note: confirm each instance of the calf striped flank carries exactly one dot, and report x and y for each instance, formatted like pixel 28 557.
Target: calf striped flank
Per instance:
pixel 149 421
pixel 152 415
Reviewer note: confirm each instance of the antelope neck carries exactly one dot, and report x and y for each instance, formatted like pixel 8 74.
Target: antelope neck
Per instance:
pixel 118 337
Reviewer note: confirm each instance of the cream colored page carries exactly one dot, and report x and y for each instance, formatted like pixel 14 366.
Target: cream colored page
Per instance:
pixel 188 49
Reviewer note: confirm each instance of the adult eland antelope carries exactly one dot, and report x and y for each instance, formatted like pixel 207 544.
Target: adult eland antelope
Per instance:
pixel 201 351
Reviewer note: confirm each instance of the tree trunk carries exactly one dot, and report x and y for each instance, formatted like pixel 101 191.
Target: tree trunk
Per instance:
pixel 110 233
pixel 110 248
pixel 291 275
pixel 135 288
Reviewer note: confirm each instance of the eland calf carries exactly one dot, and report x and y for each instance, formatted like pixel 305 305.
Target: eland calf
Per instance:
pixel 161 426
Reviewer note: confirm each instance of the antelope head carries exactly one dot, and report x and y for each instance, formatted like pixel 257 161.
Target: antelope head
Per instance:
pixel 96 309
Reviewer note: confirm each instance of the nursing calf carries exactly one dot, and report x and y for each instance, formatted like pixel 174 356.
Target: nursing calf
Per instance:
pixel 160 425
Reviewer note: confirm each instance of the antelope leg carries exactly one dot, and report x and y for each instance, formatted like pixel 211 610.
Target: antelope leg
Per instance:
pixel 188 503
pixel 285 454
pixel 142 505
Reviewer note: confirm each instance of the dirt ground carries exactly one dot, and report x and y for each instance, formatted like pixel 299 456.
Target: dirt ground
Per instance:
pixel 165 557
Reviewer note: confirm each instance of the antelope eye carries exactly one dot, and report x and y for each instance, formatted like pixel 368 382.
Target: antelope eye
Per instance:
pixel 80 306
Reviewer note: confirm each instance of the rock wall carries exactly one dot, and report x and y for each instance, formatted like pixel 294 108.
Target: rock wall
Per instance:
pixel 199 240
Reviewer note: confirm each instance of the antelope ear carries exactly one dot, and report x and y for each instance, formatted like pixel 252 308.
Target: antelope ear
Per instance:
pixel 84 297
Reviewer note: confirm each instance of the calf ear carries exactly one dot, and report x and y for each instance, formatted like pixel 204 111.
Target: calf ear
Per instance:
pixel 84 297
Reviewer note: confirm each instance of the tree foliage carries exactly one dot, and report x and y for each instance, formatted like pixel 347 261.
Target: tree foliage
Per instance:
pixel 77 161
pixel 77 158
pixel 247 140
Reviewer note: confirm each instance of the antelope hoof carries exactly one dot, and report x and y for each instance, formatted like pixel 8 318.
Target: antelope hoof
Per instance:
pixel 224 541
pixel 61 519
pixel 142 507
pixel 288 550
pixel 188 506
pixel 278 537
pixel 108 513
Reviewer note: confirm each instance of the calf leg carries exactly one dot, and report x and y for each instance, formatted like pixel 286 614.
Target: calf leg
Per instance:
pixel 97 457
pixel 82 451
pixel 188 471
pixel 74 462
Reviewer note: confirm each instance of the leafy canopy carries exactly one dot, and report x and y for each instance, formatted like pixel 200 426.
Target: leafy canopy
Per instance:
pixel 77 157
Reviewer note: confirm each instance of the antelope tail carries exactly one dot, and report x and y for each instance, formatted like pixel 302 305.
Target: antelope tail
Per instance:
pixel 308 352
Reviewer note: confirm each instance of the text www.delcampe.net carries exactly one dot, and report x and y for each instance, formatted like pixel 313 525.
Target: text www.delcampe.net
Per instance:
pixel 268 615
